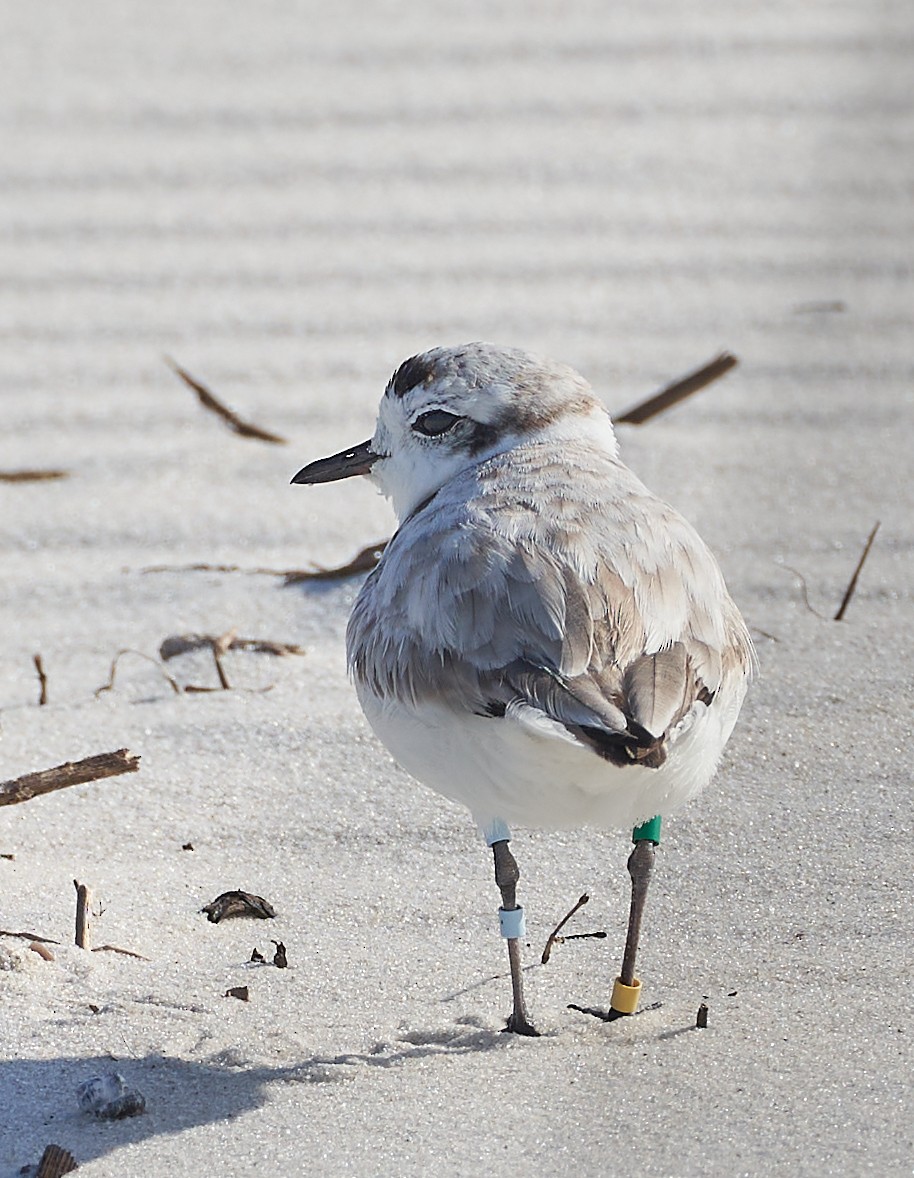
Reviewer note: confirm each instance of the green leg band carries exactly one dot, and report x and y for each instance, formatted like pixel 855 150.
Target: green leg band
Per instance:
pixel 648 832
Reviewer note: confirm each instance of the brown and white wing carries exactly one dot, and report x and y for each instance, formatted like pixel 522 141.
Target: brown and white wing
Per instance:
pixel 612 621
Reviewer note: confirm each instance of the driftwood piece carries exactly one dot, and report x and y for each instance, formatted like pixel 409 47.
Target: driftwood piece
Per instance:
pixel 238 903
pixel 82 915
pixel 208 400
pixel 32 476
pixel 22 789
pixel 673 393
pixel 55 1162
pixel 177 644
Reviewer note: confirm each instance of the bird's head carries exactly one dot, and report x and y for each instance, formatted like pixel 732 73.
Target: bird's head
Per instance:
pixel 449 409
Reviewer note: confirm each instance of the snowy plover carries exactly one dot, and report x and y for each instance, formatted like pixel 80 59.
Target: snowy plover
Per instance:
pixel 543 640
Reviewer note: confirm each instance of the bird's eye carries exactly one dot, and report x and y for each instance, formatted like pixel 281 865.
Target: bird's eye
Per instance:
pixel 435 422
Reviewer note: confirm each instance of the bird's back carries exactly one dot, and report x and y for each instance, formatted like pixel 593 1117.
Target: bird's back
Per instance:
pixel 545 614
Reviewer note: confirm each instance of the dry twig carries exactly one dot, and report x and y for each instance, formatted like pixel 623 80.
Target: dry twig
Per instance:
pixel 172 683
pixel 554 935
pixel 42 680
pixel 32 476
pixel 31 785
pixel 219 646
pixel 362 562
pixel 29 937
pixel 673 393
pixel 849 591
pixel 804 590
pixel 177 644
pixel 246 429
pixel 202 567
pixel 82 915
pixel 116 949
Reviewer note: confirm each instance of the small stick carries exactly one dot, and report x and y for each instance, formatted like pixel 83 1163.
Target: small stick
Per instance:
pixel 42 680
pixel 673 393
pixel 82 915
pixel 804 591
pixel 362 562
pixel 219 646
pixel 115 949
pixel 245 428
pixel 553 936
pixel 178 644
pixel 172 683
pixel 29 937
pixel 849 591
pixel 214 568
pixel 32 476
pixel 31 785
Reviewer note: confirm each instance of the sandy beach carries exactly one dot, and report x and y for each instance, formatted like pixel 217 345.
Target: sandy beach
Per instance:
pixel 289 200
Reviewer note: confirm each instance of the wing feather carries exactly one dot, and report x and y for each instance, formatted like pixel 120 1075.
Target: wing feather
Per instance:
pixel 608 615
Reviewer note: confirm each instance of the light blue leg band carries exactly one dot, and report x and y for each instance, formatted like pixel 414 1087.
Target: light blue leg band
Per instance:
pixel 512 923
pixel 495 831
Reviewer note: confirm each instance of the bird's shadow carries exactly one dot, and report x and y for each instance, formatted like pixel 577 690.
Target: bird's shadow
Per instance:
pixel 39 1095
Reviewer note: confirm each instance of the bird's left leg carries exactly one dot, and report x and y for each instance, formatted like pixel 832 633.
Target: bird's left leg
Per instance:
pixel 627 988
pixel 511 919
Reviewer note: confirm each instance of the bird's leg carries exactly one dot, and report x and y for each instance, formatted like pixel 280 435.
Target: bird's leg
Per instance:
pixel 511 917
pixel 640 864
pixel 627 988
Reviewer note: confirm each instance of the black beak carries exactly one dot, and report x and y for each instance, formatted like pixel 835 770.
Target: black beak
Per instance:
pixel 357 460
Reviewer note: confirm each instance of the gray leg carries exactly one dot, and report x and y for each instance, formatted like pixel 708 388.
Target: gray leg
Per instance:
pixel 640 865
pixel 627 988
pixel 506 876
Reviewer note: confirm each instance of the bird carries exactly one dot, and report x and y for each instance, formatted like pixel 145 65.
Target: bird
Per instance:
pixel 543 639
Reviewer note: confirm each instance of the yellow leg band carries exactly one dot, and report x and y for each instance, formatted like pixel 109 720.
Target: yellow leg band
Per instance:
pixel 625 998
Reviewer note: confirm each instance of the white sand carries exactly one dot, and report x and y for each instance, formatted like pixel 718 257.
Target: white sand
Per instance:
pixel 290 200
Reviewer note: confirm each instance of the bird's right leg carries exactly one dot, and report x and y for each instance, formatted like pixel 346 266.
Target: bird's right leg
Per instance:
pixel 511 919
